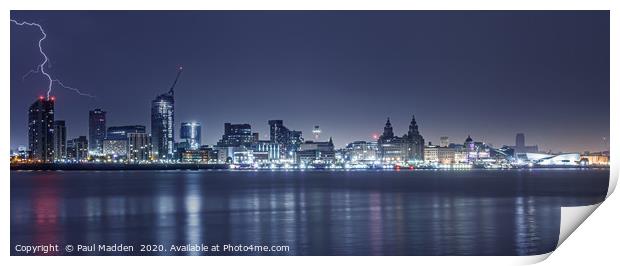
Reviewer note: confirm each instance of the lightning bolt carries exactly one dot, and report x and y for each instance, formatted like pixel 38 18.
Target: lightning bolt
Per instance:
pixel 41 67
pixel 72 89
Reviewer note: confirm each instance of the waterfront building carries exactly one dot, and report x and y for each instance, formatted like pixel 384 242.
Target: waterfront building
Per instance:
pixel 475 150
pixel 162 126
pixel 289 140
pixel 139 147
pixel 60 140
pixel 236 135
pixel 213 154
pixel 234 154
pixel 598 158
pixel 200 155
pixel 316 152
pixel 431 153
pixel 116 148
pixel 520 146
pixel 406 149
pixel 222 154
pixel 415 142
pixel 439 154
pixel 40 129
pixel 23 152
pixel 116 143
pixel 544 159
pixel 77 149
pixel 505 152
pixel 444 141
pixel 96 130
pixel 361 152
pixel 265 151
pixel 122 132
pixel 190 135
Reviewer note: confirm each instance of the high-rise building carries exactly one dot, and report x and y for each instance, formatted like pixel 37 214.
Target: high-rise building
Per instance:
pixel 162 124
pixel 139 146
pixel 77 149
pixel 60 140
pixel 96 130
pixel 190 134
pixel 289 140
pixel 236 135
pixel 40 129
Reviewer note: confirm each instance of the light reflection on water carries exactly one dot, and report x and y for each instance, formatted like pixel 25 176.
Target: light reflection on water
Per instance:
pixel 315 213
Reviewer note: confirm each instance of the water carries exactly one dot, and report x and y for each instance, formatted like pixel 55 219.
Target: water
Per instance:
pixel 421 212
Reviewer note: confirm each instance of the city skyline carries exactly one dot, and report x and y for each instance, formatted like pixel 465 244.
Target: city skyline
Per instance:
pixel 320 97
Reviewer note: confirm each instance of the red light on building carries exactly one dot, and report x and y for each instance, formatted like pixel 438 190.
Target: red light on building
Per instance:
pixel 41 97
pixel 53 98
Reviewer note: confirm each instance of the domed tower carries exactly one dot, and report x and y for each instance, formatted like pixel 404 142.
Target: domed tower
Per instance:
pixel 413 127
pixel 388 132
pixel 469 143
pixel 415 142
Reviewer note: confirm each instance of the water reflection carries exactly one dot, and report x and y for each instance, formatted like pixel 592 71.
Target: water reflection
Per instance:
pixel 315 213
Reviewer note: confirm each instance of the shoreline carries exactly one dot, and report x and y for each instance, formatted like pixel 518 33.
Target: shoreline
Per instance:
pixel 146 167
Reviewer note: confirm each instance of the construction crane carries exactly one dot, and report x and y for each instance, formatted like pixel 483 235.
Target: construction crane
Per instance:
pixel 171 92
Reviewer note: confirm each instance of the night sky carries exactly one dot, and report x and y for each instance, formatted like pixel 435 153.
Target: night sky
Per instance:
pixel 488 74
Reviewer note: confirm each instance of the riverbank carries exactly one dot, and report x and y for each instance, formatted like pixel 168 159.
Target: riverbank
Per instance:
pixel 104 166
pixel 180 166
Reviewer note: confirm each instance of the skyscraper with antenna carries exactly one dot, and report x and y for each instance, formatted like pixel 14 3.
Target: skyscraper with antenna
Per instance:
pixel 162 123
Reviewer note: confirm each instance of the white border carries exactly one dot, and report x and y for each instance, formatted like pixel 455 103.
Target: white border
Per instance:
pixel 596 233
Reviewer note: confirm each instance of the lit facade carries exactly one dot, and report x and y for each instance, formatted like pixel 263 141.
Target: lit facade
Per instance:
pixel 77 149
pixel 408 148
pixel 361 152
pixel 566 159
pixel 139 146
pixel 236 135
pixel 439 154
pixel 596 159
pixel 190 134
pixel 96 130
pixel 289 140
pixel 40 129
pixel 117 142
pixel 162 126
pixel 316 152
pixel 60 140
pixel 266 151
pixel 200 155
pixel 115 147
